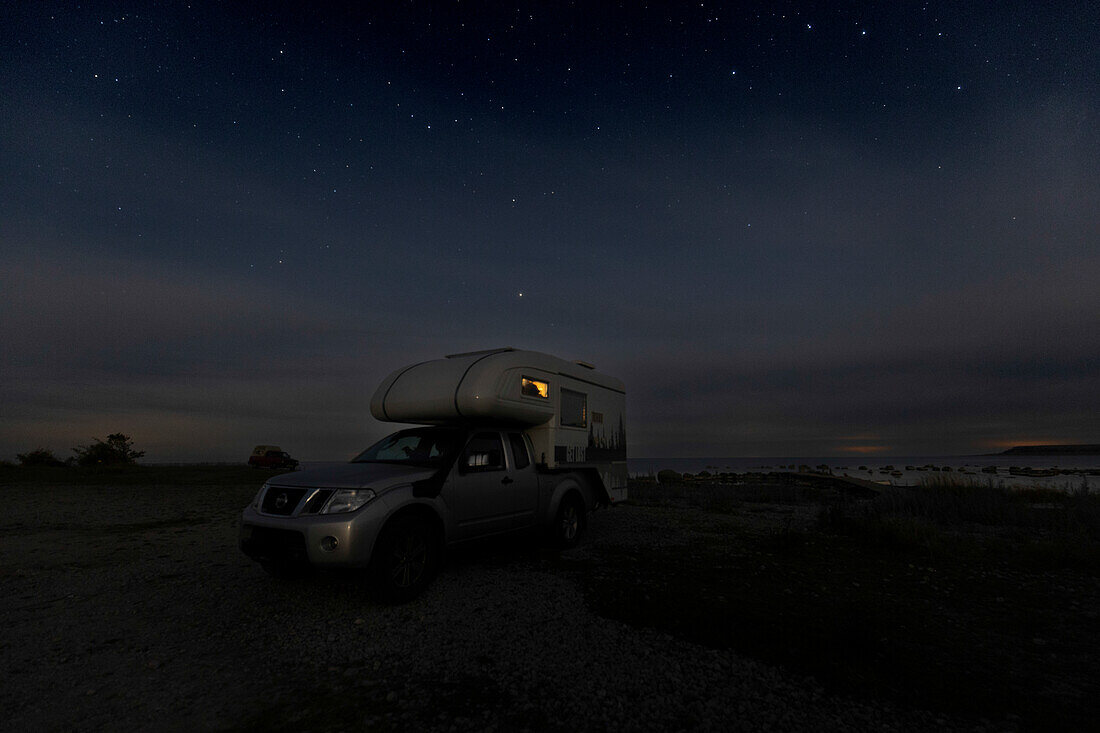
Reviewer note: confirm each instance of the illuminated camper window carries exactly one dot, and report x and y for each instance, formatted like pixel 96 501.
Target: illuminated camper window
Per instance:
pixel 574 409
pixel 534 388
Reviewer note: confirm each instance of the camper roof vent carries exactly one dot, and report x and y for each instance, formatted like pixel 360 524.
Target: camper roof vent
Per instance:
pixel 584 364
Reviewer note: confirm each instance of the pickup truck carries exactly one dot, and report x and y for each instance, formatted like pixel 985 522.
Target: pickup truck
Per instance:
pixel 396 506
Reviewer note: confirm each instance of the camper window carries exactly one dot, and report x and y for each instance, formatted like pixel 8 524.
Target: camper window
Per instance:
pixel 534 388
pixel 574 409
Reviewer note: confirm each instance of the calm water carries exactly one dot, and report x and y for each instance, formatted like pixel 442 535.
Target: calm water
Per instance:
pixel 965 466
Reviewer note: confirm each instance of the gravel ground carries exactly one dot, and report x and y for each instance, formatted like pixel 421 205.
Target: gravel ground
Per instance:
pixel 132 608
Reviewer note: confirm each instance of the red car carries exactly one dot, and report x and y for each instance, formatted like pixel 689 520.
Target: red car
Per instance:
pixel 271 456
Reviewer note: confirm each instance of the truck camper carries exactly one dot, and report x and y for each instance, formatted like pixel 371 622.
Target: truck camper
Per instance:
pixel 572 413
pixel 508 440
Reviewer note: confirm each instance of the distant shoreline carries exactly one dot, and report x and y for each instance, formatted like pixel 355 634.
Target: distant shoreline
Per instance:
pixel 1053 450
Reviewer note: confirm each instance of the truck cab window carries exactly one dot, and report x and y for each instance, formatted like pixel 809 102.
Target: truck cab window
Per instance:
pixel 519 451
pixel 484 452
pixel 419 446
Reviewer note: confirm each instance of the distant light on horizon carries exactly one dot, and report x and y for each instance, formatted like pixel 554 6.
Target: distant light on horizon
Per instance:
pixel 864 449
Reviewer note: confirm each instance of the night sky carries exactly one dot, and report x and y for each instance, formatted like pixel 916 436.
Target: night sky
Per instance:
pixel 791 229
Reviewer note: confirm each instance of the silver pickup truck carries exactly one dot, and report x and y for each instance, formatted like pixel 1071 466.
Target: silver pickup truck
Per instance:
pixel 396 506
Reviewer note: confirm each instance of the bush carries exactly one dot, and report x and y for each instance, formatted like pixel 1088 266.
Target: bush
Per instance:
pixel 667 476
pixel 39 457
pixel 118 449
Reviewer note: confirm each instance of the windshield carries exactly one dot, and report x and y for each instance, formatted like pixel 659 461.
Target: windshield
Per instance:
pixel 416 447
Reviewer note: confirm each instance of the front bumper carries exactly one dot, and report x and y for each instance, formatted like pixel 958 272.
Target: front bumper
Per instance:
pixel 267 538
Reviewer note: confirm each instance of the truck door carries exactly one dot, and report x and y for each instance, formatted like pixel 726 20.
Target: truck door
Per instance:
pixel 525 484
pixel 482 496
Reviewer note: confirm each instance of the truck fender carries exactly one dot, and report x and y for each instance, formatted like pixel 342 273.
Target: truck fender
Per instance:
pixel 569 482
pixel 424 510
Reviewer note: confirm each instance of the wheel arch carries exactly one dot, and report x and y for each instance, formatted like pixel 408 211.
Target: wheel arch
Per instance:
pixel 576 482
pixel 421 511
pixel 584 481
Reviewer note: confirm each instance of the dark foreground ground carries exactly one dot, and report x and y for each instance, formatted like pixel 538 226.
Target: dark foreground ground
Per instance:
pixel 746 606
pixel 972 600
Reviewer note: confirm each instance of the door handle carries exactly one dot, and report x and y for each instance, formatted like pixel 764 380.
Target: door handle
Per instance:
pixel 506 480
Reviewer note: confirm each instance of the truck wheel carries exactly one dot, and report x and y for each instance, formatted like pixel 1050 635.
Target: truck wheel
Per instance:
pixel 569 524
pixel 405 560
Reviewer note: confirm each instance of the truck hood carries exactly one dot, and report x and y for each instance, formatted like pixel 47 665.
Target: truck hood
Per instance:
pixel 377 476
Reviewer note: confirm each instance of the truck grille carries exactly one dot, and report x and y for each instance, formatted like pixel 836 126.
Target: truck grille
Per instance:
pixel 281 501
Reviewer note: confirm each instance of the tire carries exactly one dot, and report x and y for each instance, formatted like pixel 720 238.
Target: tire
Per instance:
pixel 570 522
pixel 405 560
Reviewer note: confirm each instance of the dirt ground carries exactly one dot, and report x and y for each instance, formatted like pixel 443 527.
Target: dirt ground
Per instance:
pixel 131 606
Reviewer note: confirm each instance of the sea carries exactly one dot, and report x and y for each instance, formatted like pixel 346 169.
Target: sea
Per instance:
pixel 901 470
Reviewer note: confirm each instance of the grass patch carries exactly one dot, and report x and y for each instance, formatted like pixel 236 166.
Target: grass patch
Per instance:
pixel 933 637
pixel 1051 529
pixel 980 604
pixel 721 495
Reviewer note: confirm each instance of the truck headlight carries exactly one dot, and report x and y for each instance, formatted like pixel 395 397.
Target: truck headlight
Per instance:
pixel 259 496
pixel 347 500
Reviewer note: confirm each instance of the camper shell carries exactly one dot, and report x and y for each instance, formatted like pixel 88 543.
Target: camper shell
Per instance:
pixel 573 415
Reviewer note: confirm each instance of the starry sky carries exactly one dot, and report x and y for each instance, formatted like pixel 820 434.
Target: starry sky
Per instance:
pixel 793 229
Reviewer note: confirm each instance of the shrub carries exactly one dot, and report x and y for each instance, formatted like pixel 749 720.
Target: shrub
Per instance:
pixel 668 476
pixel 117 449
pixel 39 457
